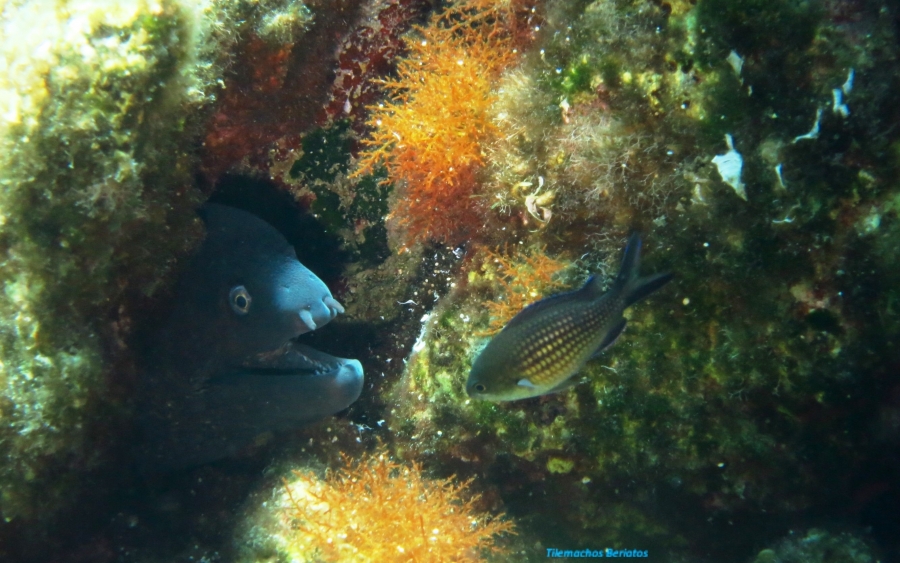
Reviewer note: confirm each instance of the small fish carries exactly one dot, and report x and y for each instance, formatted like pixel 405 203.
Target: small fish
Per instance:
pixel 227 367
pixel 549 341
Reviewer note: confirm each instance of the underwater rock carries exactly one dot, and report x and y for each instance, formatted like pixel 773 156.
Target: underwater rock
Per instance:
pixel 227 369
pixel 101 107
pixel 742 408
pixel 741 398
pixel 94 159
pixel 820 546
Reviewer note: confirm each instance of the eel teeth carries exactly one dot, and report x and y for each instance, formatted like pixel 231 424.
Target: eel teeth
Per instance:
pixel 307 319
pixel 334 304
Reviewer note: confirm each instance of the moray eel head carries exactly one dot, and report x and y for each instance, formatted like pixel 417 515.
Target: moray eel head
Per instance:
pixel 228 368
pixel 247 282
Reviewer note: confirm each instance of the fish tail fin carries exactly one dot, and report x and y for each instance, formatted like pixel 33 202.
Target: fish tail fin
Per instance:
pixel 642 287
pixel 632 285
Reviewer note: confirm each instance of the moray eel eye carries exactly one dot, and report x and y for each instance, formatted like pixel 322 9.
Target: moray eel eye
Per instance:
pixel 240 300
pixel 479 387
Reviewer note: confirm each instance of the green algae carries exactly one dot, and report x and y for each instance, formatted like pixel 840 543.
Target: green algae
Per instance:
pixel 357 214
pixel 769 28
pixel 72 199
pixel 819 546
pixel 281 22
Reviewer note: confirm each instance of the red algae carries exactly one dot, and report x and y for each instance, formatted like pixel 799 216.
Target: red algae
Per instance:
pixel 379 511
pixel 274 90
pixel 523 278
pixel 367 54
pixel 431 133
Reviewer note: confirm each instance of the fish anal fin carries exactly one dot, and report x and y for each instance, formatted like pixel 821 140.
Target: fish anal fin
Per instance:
pixel 614 333
pixel 566 384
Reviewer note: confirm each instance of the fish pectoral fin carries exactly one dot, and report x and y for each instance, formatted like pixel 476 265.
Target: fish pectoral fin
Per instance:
pixel 525 383
pixel 611 337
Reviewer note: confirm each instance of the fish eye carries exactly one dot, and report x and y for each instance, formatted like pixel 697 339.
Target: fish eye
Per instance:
pixel 239 299
pixel 479 387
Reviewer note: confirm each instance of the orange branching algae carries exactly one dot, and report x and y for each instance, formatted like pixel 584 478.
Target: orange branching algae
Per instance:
pixel 431 132
pixel 523 279
pixel 378 511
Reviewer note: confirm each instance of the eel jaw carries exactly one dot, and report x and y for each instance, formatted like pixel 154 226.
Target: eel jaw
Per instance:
pixel 273 392
pixel 309 383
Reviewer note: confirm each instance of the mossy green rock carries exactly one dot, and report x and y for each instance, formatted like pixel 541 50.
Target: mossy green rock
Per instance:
pixel 745 385
pixel 99 111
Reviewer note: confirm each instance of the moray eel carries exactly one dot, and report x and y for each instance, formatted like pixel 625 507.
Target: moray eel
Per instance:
pixel 226 369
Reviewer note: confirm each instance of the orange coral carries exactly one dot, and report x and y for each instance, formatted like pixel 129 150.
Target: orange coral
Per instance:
pixel 431 132
pixel 523 279
pixel 379 511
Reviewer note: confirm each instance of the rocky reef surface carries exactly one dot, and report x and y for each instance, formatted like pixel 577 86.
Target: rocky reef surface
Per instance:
pixel 459 162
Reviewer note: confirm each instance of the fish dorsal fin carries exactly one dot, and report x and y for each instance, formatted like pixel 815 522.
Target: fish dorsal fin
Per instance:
pixel 628 271
pixel 537 307
pixel 631 261
pixel 592 288
pixel 633 287
pixel 614 333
